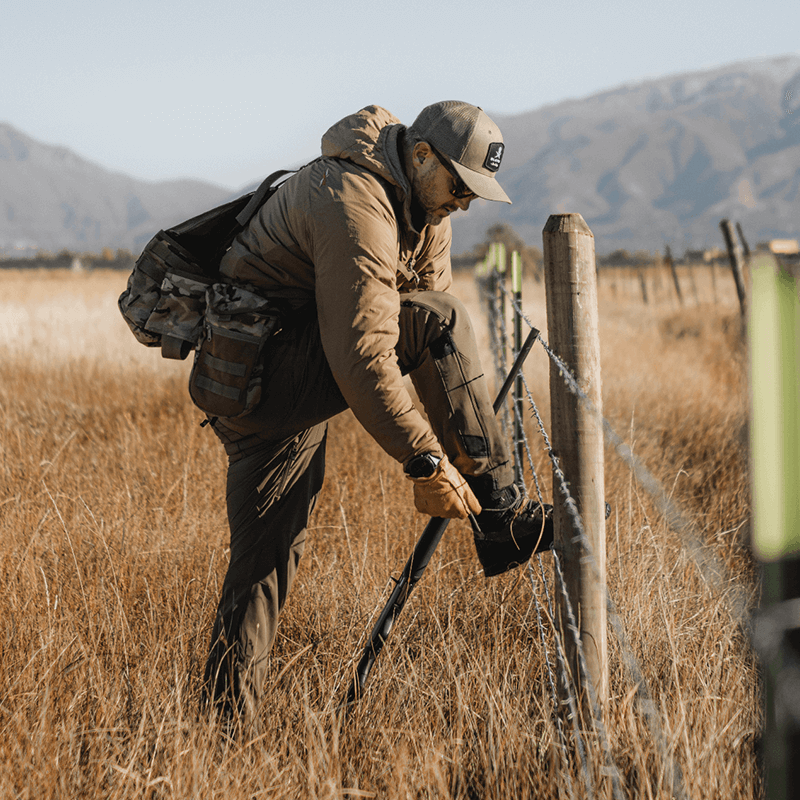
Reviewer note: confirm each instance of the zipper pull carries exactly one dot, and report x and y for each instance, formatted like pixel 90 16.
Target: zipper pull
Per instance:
pixel 411 265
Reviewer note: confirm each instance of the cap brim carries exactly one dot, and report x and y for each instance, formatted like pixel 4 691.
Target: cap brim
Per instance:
pixel 483 185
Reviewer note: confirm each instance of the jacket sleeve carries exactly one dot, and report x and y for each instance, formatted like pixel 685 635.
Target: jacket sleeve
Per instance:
pixel 353 235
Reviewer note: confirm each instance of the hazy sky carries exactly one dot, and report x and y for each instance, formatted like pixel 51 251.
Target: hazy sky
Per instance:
pixel 228 92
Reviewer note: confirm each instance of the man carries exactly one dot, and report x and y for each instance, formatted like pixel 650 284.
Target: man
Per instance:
pixel 357 246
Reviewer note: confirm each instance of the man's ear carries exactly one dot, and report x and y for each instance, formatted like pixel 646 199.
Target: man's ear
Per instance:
pixel 422 151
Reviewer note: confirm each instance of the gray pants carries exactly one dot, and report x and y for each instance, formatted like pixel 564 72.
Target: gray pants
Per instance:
pixel 277 464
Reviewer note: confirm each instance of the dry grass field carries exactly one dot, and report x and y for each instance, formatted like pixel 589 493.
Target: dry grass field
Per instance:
pixel 113 544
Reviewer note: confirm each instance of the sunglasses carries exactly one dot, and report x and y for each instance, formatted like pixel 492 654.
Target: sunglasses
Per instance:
pixel 460 189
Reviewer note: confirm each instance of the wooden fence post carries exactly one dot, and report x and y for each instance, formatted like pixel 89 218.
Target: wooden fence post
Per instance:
pixel 577 433
pixel 713 263
pixel 745 246
pixel 671 264
pixel 500 263
pixel 735 256
pixel 747 258
pixel 643 285
pixel 519 407
pixel 693 282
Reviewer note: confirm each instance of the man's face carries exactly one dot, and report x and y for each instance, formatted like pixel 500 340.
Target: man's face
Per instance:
pixel 435 189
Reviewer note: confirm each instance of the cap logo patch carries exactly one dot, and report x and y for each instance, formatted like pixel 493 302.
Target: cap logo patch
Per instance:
pixel 494 156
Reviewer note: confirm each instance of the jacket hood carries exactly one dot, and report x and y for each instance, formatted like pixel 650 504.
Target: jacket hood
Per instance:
pixel 369 138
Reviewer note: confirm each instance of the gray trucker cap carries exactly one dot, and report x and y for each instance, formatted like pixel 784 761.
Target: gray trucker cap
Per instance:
pixel 468 138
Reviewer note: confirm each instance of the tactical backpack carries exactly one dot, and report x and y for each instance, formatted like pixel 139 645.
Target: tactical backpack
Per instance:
pixel 176 299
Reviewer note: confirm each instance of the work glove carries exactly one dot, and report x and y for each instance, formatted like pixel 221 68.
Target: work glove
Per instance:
pixel 445 493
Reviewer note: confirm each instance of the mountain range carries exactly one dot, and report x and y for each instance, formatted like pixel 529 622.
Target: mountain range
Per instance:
pixel 52 199
pixel 659 161
pixel 656 162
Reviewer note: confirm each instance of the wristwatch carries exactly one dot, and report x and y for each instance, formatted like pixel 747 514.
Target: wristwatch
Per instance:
pixel 422 465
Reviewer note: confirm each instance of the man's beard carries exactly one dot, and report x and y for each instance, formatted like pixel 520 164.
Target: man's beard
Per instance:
pixel 421 217
pixel 422 193
pixel 433 220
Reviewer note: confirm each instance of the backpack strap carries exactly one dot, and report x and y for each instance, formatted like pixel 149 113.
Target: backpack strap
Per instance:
pixel 243 217
pixel 264 191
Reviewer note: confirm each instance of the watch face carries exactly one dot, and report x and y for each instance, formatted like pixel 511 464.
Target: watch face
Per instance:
pixel 422 466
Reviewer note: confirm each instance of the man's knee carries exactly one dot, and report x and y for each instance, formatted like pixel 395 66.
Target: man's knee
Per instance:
pixel 434 321
pixel 445 307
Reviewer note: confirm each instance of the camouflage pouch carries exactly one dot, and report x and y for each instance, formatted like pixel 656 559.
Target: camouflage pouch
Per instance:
pixel 226 376
pixel 178 315
pixel 164 301
pixel 140 297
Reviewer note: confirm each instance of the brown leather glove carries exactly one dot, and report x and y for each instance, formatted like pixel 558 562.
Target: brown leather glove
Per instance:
pixel 445 493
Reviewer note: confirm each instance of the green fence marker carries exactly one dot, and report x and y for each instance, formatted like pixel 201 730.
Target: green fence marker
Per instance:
pixel 516 273
pixel 773 331
pixel 501 257
pixel 775 427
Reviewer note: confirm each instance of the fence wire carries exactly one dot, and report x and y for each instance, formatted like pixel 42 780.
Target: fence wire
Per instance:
pixel 498 338
pixel 711 568
pixel 495 296
pixel 643 696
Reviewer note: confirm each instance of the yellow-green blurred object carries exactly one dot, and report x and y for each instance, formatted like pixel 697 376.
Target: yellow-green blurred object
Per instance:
pixel 774 333
pixel 501 257
pixel 516 272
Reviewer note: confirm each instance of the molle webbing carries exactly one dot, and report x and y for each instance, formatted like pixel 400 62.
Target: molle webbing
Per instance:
pixel 228 367
pixel 229 392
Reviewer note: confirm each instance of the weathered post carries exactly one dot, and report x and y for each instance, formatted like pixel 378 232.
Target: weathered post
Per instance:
pixel 643 285
pixel 735 257
pixel 714 280
pixel 519 436
pixel 502 321
pixel 656 273
pixel 671 264
pixel 500 263
pixel 745 245
pixel 577 433
pixel 491 278
pixel 746 262
pixel 693 283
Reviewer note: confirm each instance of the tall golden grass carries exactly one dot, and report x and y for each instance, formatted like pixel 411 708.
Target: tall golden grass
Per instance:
pixel 113 544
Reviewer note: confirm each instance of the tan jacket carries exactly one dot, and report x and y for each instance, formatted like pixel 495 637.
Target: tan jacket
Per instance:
pixel 340 230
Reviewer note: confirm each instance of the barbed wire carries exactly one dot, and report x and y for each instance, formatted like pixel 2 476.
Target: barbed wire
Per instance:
pixel 645 702
pixel 711 569
pixel 499 309
pixel 498 350
pixel 562 736
pixel 572 626
pixel 498 345
pixel 644 697
pixel 567 684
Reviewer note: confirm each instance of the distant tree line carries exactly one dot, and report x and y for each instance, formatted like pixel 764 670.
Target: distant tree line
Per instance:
pixel 69 259
pixel 531 257
pixel 532 261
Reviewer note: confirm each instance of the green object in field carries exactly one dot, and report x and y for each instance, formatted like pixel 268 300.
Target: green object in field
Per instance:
pixel 516 273
pixel 774 333
pixel 501 257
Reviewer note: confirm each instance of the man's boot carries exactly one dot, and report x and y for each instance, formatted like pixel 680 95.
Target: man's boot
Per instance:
pixel 510 529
